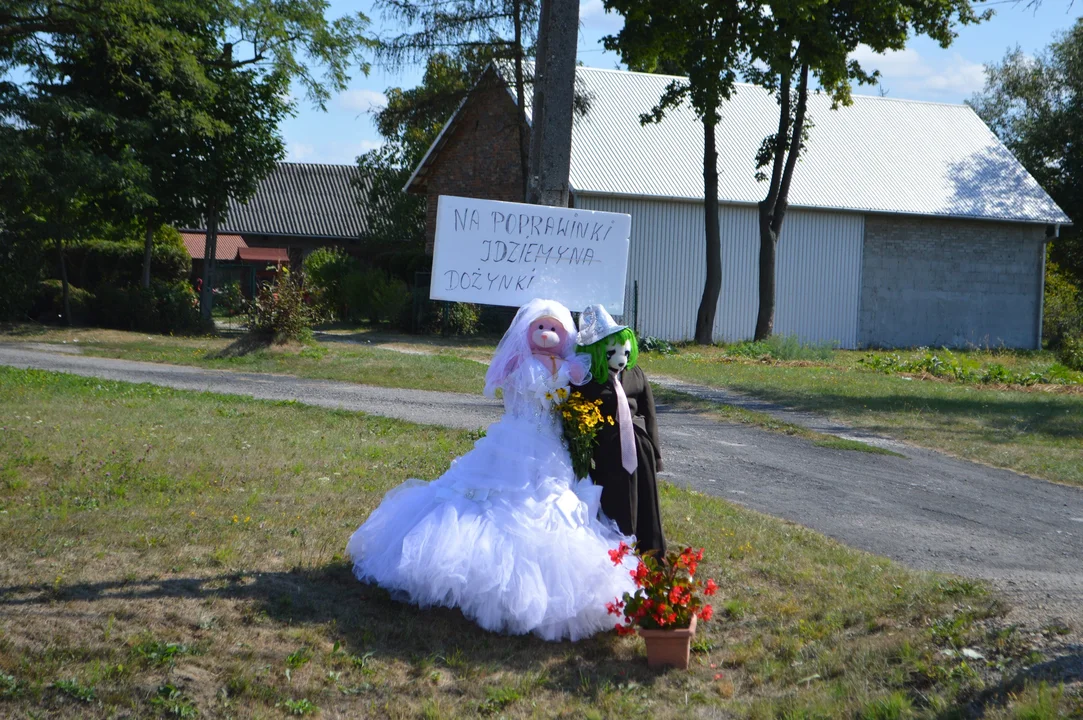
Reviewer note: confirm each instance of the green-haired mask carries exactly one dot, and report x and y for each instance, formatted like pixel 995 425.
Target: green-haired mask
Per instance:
pixel 615 352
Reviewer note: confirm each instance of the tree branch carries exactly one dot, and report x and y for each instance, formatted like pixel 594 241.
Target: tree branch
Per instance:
pixel 795 149
pixel 780 139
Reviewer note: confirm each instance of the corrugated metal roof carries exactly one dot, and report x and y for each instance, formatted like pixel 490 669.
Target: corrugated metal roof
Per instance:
pixel 304 200
pixel 225 249
pixel 879 155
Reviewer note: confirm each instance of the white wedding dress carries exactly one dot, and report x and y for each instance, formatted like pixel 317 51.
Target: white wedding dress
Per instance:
pixel 507 534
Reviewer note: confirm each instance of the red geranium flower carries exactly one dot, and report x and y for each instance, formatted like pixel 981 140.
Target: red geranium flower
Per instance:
pixel 625 629
pixel 617 555
pixel 667 593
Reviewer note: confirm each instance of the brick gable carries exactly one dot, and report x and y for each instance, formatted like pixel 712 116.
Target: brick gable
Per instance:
pixel 480 157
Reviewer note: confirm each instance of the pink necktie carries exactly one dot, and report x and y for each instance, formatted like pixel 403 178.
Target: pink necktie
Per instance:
pixel 627 434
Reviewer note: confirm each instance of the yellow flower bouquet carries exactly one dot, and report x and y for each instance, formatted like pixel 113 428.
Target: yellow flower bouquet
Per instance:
pixel 582 419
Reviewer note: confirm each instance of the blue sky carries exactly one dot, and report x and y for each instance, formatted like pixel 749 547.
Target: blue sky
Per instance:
pixel 924 71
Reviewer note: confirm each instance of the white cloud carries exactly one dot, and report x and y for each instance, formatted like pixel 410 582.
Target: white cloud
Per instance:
pixel 299 152
pixel 361 100
pixel 960 76
pixel 907 74
pixel 331 153
pixel 899 63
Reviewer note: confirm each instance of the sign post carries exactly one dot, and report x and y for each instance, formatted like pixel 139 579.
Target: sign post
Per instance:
pixel 500 253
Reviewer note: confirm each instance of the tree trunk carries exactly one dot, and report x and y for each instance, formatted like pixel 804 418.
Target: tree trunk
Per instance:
pixel 774 206
pixel 210 249
pixel 765 319
pixel 708 306
pixel 520 99
pixel 65 290
pixel 148 250
pixel 553 106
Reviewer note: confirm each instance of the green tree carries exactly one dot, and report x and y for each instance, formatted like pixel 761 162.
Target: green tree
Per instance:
pixel 1035 106
pixel 706 41
pixel 153 86
pixel 185 97
pixel 254 52
pixel 62 172
pixel 793 40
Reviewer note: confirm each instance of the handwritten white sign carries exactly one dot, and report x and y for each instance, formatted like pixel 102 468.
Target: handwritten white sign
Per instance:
pixel 500 253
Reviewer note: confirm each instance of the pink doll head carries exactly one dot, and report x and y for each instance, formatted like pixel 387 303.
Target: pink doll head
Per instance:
pixel 524 338
pixel 548 336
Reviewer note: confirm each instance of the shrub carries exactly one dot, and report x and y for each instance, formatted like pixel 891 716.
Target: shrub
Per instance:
pixel 326 271
pixel 94 263
pixel 656 345
pixel 279 312
pixel 48 305
pixel 1070 352
pixel 1062 315
pixel 230 299
pixel 449 318
pixel 949 366
pixel 162 308
pixel 21 265
pixel 783 347
pixel 381 297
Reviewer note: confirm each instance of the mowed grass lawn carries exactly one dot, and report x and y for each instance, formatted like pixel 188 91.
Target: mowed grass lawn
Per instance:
pixel 167 553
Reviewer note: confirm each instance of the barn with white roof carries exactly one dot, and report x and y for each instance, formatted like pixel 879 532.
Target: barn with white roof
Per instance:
pixel 910 223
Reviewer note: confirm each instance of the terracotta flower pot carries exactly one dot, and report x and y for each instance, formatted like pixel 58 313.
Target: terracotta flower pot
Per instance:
pixel 669 647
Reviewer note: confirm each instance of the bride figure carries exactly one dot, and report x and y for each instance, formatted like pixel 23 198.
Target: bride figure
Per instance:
pixel 507 534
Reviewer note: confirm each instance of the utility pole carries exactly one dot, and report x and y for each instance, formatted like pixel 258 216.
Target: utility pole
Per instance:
pixel 554 94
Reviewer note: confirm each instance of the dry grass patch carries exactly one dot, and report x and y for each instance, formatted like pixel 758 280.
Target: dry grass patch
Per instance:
pixel 167 553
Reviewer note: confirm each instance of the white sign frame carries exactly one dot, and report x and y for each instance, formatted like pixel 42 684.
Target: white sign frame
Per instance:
pixel 502 253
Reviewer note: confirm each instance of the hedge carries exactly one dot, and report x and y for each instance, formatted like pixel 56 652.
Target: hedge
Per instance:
pixel 97 263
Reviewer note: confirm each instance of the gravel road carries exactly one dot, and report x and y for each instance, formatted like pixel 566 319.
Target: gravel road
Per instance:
pixel 926 510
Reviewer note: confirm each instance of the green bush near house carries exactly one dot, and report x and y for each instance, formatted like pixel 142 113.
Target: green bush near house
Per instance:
pixel 21 265
pixel 376 296
pixel 345 289
pixel 1062 312
pixel 450 318
pixel 48 305
pixel 783 347
pixel 279 313
pixel 94 263
pixel 1070 352
pixel 164 307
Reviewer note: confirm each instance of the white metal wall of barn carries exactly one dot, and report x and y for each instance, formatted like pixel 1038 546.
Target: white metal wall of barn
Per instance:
pixel 818 271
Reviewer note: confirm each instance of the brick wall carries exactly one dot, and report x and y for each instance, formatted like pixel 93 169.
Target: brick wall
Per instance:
pixel 481 157
pixel 939 282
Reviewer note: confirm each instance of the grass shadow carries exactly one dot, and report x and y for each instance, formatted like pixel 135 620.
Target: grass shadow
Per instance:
pixel 367 622
pixel 1064 670
pixel 245 344
pixel 25 329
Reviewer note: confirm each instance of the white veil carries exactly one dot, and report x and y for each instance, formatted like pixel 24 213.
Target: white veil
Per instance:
pixel 514 347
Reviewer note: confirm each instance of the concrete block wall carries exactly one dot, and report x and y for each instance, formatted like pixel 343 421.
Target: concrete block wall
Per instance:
pixel 945 282
pixel 481 157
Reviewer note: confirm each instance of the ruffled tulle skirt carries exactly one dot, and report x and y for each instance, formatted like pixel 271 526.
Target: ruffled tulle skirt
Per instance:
pixel 506 534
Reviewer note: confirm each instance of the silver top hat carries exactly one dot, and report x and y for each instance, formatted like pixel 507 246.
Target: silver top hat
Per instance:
pixel 595 323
